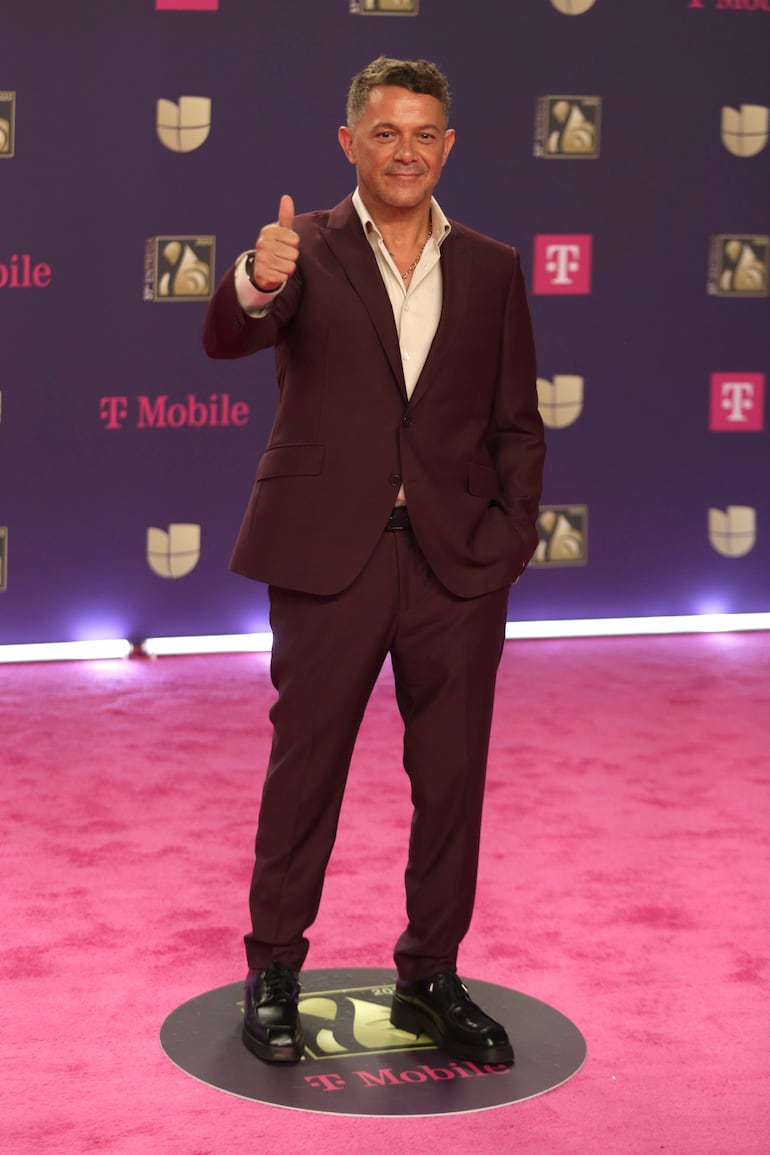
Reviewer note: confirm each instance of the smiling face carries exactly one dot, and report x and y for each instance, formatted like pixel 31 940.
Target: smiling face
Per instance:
pixel 399 145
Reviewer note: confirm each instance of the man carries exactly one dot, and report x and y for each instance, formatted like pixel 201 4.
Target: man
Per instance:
pixel 394 506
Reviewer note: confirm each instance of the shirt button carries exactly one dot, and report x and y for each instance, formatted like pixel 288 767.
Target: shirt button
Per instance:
pixel 394 480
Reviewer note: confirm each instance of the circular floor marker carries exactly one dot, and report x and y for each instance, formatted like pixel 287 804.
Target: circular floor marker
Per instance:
pixel 356 1063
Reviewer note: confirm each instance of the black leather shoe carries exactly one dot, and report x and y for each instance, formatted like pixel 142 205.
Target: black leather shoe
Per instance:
pixel 442 1008
pixel 271 1026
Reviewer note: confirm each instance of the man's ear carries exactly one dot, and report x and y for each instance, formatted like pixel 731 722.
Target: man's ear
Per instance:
pixel 449 140
pixel 345 137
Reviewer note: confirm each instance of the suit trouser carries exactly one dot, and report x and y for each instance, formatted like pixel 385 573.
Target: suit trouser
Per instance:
pixel 327 654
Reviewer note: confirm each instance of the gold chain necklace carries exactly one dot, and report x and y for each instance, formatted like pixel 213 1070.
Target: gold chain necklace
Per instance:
pixel 405 276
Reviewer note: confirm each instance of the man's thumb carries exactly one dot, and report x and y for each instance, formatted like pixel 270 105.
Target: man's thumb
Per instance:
pixel 286 213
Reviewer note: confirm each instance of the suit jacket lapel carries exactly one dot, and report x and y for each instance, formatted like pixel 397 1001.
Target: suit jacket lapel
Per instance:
pixel 346 239
pixel 455 274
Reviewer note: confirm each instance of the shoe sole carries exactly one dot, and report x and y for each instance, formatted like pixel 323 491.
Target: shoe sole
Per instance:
pixel 291 1053
pixel 413 1019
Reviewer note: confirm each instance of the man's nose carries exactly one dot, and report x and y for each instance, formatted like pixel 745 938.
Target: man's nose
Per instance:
pixel 405 150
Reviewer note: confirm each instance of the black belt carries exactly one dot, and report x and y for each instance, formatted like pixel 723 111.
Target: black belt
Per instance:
pixel 399 518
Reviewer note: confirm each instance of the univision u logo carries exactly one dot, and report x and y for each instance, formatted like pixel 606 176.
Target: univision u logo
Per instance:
pixel 745 130
pixel 185 126
pixel 733 531
pixel 173 553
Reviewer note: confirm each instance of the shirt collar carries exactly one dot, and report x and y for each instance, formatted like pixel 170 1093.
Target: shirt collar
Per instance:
pixel 441 226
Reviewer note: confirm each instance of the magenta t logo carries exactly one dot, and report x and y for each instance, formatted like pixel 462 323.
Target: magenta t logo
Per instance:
pixel 187 5
pixel 562 263
pixel 737 402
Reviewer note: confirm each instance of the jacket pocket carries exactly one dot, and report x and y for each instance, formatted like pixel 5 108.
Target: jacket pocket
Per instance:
pixel 482 482
pixel 291 461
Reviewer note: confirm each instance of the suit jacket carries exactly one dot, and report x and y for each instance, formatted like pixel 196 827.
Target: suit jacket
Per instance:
pixel 468 445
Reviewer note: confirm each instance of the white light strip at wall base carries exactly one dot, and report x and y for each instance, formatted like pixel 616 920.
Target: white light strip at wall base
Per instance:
pixel 630 627
pixel 210 644
pixel 261 642
pixel 580 628
pixel 66 651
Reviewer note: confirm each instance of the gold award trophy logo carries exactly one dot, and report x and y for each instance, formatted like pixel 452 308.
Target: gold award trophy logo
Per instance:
pixel 7 122
pixel 185 126
pixel 560 401
pixel 562 531
pixel 353 1022
pixel 745 130
pixel 3 557
pixel 178 268
pixel 384 7
pixel 573 7
pixel 733 531
pixel 568 127
pixel 738 266
pixel 173 553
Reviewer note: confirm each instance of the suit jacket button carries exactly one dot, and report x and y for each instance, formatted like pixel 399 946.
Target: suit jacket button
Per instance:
pixel 407 420
pixel 394 480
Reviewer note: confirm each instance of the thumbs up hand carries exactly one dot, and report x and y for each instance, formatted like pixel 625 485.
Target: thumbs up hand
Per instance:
pixel 277 249
pixel 286 213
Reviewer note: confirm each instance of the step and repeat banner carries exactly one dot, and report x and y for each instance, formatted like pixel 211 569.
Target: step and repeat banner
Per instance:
pixel 621 145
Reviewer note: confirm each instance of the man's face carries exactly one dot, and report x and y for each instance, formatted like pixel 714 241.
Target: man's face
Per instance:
pixel 399 147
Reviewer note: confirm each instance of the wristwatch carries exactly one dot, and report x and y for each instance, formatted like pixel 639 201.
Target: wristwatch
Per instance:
pixel 248 268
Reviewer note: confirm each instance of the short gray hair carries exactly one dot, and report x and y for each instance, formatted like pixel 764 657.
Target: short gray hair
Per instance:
pixel 415 75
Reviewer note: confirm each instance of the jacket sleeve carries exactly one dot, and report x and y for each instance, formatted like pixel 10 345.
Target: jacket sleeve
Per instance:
pixel 228 332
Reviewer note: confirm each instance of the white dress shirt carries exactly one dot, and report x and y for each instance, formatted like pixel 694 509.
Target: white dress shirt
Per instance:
pixel 416 306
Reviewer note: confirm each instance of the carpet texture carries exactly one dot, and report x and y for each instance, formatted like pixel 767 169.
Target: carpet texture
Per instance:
pixel 624 881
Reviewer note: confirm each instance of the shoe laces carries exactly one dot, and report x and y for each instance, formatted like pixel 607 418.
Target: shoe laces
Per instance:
pixel 280 982
pixel 452 984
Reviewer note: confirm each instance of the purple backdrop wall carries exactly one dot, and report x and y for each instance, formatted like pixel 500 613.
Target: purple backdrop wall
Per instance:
pixel 653 359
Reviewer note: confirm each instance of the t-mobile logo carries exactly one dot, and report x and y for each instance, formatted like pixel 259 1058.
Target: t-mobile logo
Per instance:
pixel 563 264
pixel 562 261
pixel 737 402
pixel 187 5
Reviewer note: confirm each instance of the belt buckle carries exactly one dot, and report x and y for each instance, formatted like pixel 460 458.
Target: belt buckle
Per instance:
pixel 398 519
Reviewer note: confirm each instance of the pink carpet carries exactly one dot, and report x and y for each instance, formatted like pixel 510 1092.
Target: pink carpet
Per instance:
pixel 624 881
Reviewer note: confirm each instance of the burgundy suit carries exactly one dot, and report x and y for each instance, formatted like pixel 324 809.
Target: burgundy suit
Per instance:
pixel 468 447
